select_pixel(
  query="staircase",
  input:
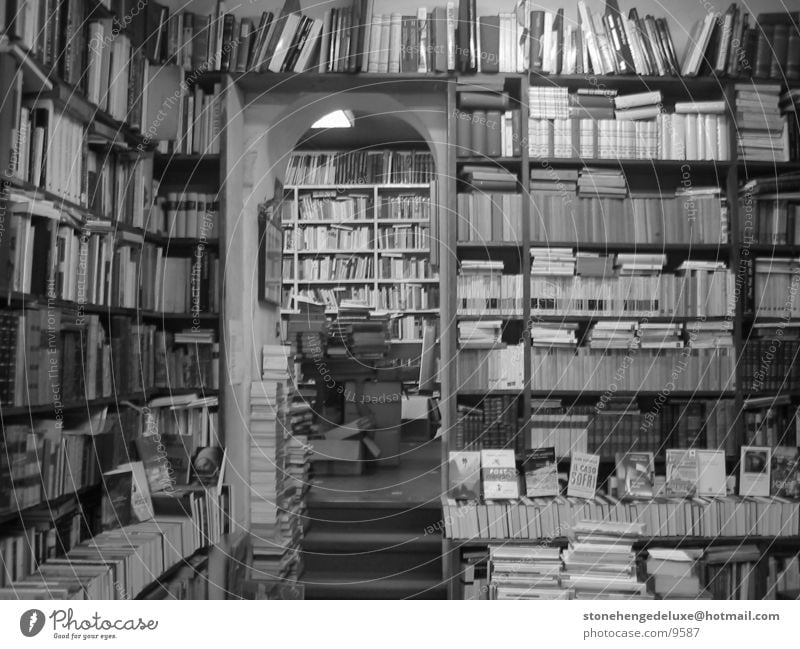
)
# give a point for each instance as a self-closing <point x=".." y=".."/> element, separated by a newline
<point x="373" y="550"/>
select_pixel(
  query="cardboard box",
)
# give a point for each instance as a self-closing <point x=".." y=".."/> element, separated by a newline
<point x="337" y="456"/>
<point x="388" y="440"/>
<point x="380" y="400"/>
<point x="416" y="423"/>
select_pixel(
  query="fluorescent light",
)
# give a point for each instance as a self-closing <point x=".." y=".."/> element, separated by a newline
<point x="336" y="119"/>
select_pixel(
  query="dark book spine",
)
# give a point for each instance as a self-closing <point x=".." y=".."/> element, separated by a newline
<point x="780" y="44"/>
<point x="763" y="59"/>
<point x="228" y="23"/>
<point x="537" y="31"/>
<point x="792" y="69"/>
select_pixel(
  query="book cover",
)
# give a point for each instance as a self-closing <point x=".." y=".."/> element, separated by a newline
<point x="754" y="470"/>
<point x="636" y="474"/>
<point x="464" y="471"/>
<point x="583" y="472"/>
<point x="141" y="501"/>
<point x="541" y="472"/>
<point x="682" y="472"/>
<point x="206" y="464"/>
<point x="499" y="473"/>
<point x="116" y="508"/>
<point x="785" y="472"/>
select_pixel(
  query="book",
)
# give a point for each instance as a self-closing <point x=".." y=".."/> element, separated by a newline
<point x="499" y="475"/>
<point x="541" y="473"/>
<point x="785" y="472"/>
<point x="682" y="472"/>
<point x="636" y="474"/>
<point x="583" y="472"/>
<point x="754" y="470"/>
<point x="464" y="475"/>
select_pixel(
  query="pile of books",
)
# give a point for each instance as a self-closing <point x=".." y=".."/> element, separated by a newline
<point x="525" y="572"/>
<point x="554" y="334"/>
<point x="601" y="563"/>
<point x="601" y="182"/>
<point x="613" y="334"/>
<point x="479" y="333"/>
<point x="639" y="263"/>
<point x="641" y="105"/>
<point x="491" y="179"/>
<point x="305" y="329"/>
<point x="657" y="335"/>
<point x="761" y="128"/>
<point x="357" y="333"/>
<point x="674" y="573"/>
<point x="552" y="261"/>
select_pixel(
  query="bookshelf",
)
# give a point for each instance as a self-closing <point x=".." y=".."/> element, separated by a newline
<point x="109" y="319"/>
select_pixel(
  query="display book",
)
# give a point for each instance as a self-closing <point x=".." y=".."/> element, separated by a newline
<point x="452" y="37"/>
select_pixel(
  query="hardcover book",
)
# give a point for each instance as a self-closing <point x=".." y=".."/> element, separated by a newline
<point x="785" y="472"/>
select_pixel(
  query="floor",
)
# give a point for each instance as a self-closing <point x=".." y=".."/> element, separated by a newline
<point x="415" y="482"/>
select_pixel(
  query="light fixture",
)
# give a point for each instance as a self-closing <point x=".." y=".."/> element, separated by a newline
<point x="336" y="119"/>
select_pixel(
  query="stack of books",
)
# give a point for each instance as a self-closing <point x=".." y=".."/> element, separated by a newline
<point x="479" y="333"/>
<point x="601" y="182"/>
<point x="638" y="263"/>
<point x="357" y="333"/>
<point x="600" y="562"/>
<point x="641" y="105"/>
<point x="490" y="179"/>
<point x="525" y="572"/>
<point x="674" y="574"/>
<point x="656" y="335"/>
<point x="554" y="334"/>
<point x="761" y="129"/>
<point x="613" y="334"/>
<point x="553" y="261"/>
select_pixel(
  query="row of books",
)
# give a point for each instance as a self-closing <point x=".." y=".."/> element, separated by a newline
<point x="98" y="265"/>
<point x="548" y="518"/>
<point x="330" y="237"/>
<point x="323" y="205"/>
<point x="668" y="136"/>
<point x="492" y="423"/>
<point x="408" y="328"/>
<point x="483" y="292"/>
<point x="330" y="269"/>
<point x="682" y="294"/>
<point x="405" y="267"/>
<point x="771" y="219"/>
<point x="699" y="215"/>
<point x="768" y="362"/>
<point x="49" y="359"/>
<point x="191" y="215"/>
<point x="762" y="127"/>
<point x="194" y="125"/>
<point x="489" y="217"/>
<point x="774" y="422"/>
<point x="774" y="287"/>
<point x="49" y="150"/>
<point x="360" y="167"/>
<point x="495" y="369"/>
<point x="120" y="186"/>
<point x="488" y="133"/>
<point x="404" y="297"/>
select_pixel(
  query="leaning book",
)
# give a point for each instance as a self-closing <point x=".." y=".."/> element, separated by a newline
<point x="636" y="474"/>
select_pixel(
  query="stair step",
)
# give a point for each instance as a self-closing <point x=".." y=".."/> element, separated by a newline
<point x="334" y="586"/>
<point x="336" y="541"/>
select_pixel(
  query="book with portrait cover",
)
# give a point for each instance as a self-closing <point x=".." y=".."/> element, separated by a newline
<point x="541" y="472"/>
<point x="785" y="471"/>
<point x="636" y="474"/>
<point x="464" y="475"/>
<point x="754" y="470"/>
<point x="499" y="473"/>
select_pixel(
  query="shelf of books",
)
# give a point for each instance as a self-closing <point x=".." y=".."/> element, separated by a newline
<point x="358" y="232"/>
<point x="112" y="460"/>
<point x="622" y="270"/>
